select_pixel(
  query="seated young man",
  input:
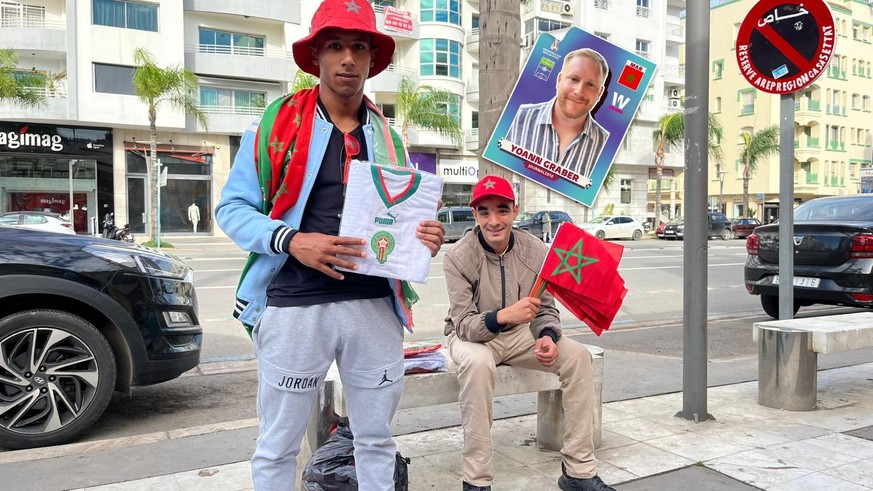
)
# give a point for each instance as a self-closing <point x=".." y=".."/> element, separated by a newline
<point x="492" y="320"/>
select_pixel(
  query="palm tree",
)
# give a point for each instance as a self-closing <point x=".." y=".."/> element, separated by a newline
<point x="303" y="80"/>
<point x="22" y="90"/>
<point x="757" y="146"/>
<point x="177" y="87"/>
<point x="671" y="134"/>
<point x="425" y="107"/>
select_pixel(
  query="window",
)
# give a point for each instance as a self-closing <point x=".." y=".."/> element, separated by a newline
<point x="230" y="101"/>
<point x="643" y="8"/>
<point x="130" y="15"/>
<point x="453" y="109"/>
<point x="747" y="101"/>
<point x="717" y="105"/>
<point x="230" y="43"/>
<point x="642" y="48"/>
<point x="462" y="215"/>
<point x="474" y="120"/>
<point x="113" y="79"/>
<point x="865" y="105"/>
<point x="441" y="11"/>
<point x="533" y="28"/>
<point x="626" y="191"/>
<point x="440" y="57"/>
<point x="602" y="35"/>
<point x="475" y="21"/>
<point x="856" y="101"/>
<point x="601" y="4"/>
<point x="717" y="69"/>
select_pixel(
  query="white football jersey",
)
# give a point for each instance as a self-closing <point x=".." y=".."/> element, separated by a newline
<point x="384" y="206"/>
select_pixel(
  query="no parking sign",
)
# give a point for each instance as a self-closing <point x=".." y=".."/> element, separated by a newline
<point x="784" y="45"/>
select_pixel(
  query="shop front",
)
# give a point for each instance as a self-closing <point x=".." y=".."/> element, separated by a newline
<point x="57" y="169"/>
<point x="459" y="177"/>
<point x="185" y="200"/>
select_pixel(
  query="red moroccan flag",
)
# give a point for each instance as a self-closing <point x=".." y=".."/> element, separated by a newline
<point x="581" y="271"/>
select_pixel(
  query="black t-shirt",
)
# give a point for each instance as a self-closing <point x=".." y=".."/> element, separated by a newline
<point x="297" y="285"/>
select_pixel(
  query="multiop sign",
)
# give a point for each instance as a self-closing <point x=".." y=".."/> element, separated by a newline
<point x="784" y="45"/>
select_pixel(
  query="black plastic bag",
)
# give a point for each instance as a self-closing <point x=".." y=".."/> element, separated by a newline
<point x="332" y="466"/>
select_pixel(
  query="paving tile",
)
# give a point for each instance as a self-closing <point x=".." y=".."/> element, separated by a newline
<point x="642" y="429"/>
<point x="748" y="436"/>
<point x="860" y="473"/>
<point x="865" y="433"/>
<point x="817" y="481"/>
<point x="758" y="469"/>
<point x="695" y="446"/>
<point x="226" y="477"/>
<point x="648" y="406"/>
<point x="609" y="439"/>
<point x="695" y="477"/>
<point x="807" y="456"/>
<point x="792" y="431"/>
<point x="611" y="413"/>
<point x="429" y="442"/>
<point x="642" y="459"/>
<point x="850" y="445"/>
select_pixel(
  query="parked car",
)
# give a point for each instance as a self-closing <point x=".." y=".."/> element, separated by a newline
<point x="37" y="220"/>
<point x="718" y="226"/>
<point x="742" y="227"/>
<point x="80" y="317"/>
<point x="533" y="221"/>
<point x="615" y="227"/>
<point x="458" y="220"/>
<point x="833" y="255"/>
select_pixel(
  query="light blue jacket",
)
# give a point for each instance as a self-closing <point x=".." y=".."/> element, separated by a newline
<point x="239" y="215"/>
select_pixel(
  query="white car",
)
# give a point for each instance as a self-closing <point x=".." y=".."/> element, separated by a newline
<point x="37" y="220"/>
<point x="615" y="227"/>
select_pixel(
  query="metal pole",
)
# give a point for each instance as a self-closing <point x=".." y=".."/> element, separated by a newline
<point x="72" y="222"/>
<point x="694" y="354"/>
<point x="158" y="218"/>
<point x="786" y="206"/>
<point x="721" y="192"/>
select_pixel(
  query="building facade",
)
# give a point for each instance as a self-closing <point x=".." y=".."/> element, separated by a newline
<point x="90" y="139"/>
<point x="832" y="123"/>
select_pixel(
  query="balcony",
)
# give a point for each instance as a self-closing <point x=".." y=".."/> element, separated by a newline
<point x="806" y="147"/>
<point x="673" y="74"/>
<point x="55" y="107"/>
<point x="33" y="34"/>
<point x="389" y="80"/>
<point x="397" y="23"/>
<point x="224" y="119"/>
<point x="272" y="10"/>
<point x="471" y="41"/>
<point x="473" y="91"/>
<point x="239" y="62"/>
<point x="805" y="181"/>
<point x="430" y="139"/>
<point x="675" y="34"/>
<point x="472" y="140"/>
<point x="643" y="12"/>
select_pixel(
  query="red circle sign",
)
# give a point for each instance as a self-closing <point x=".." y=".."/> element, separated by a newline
<point x="784" y="45"/>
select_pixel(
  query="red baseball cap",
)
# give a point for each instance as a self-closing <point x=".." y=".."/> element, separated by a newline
<point x="348" y="15"/>
<point x="492" y="186"/>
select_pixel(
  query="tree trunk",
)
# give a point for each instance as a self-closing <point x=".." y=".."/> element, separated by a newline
<point x="659" y="172"/>
<point x="747" y="174"/>
<point x="499" y="34"/>
<point x="153" y="175"/>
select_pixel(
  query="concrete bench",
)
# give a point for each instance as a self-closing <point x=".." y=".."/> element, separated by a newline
<point x="429" y="389"/>
<point x="788" y="355"/>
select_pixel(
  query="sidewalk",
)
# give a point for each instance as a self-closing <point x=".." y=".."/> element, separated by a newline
<point x="645" y="447"/>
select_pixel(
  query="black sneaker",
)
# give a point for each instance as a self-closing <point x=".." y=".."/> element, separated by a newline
<point x="567" y="483"/>
<point x="470" y="487"/>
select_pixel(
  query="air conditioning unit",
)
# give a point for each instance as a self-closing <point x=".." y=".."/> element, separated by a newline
<point x="568" y="9"/>
<point x="674" y="104"/>
<point x="674" y="93"/>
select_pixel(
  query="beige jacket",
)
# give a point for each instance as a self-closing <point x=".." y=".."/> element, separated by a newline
<point x="477" y="287"/>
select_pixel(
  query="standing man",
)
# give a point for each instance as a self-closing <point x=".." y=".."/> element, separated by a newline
<point x="547" y="227"/>
<point x="194" y="215"/>
<point x="562" y="129"/>
<point x="492" y="321"/>
<point x="282" y="202"/>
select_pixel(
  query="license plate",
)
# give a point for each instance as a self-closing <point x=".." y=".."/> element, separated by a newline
<point x="803" y="281"/>
<point x="669" y="232"/>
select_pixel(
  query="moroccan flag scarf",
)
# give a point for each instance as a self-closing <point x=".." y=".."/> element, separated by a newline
<point x="285" y="121"/>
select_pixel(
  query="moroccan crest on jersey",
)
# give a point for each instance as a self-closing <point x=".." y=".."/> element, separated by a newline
<point x="382" y="187"/>
<point x="382" y="244"/>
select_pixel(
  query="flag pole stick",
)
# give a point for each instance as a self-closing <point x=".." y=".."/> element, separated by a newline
<point x="538" y="288"/>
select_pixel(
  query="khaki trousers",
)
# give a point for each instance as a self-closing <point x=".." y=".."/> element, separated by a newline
<point x="477" y="372"/>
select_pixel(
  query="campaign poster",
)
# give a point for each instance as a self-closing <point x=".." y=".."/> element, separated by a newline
<point x="559" y="129"/>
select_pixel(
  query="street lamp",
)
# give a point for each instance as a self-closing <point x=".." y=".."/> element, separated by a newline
<point x="72" y="162"/>
<point x="721" y="174"/>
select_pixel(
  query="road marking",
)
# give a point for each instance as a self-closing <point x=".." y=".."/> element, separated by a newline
<point x="217" y="270"/>
<point x="677" y="266"/>
<point x="242" y="258"/>
<point x="213" y="287"/>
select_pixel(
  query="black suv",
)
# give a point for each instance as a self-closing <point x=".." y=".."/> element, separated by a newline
<point x="533" y="221"/>
<point x="80" y="317"/>
<point x="717" y="226"/>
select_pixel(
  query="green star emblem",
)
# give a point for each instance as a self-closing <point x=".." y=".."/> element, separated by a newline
<point x="276" y="145"/>
<point x="575" y="270"/>
<point x="292" y="102"/>
<point x="630" y="77"/>
<point x="297" y="120"/>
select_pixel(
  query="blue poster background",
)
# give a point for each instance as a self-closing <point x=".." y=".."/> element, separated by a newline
<point x="537" y="83"/>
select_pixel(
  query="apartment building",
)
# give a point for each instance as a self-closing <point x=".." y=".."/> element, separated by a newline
<point x="832" y="123"/>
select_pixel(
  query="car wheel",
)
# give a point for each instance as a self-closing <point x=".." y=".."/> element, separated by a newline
<point x="638" y="234"/>
<point x="57" y="374"/>
<point x="726" y="234"/>
<point x="600" y="234"/>
<point x="770" y="303"/>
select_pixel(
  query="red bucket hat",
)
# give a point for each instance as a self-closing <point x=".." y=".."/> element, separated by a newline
<point x="348" y="15"/>
<point x="492" y="186"/>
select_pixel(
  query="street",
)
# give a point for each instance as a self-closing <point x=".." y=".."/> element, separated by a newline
<point x="215" y="402"/>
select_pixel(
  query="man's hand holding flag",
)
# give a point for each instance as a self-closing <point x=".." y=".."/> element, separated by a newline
<point x="581" y="271"/>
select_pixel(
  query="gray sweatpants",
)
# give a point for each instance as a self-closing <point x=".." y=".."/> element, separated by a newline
<point x="295" y="347"/>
